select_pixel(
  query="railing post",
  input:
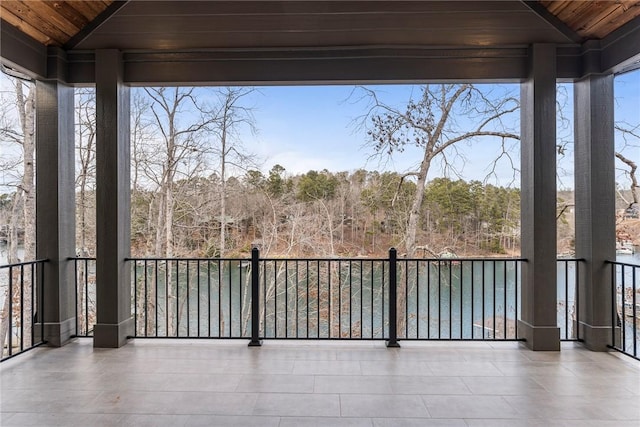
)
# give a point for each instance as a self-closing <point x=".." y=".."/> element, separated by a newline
<point x="393" y="299"/>
<point x="255" y="299"/>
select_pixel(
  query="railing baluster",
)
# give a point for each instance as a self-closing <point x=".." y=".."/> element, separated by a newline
<point x="146" y="298"/>
<point x="21" y="308"/>
<point x="393" y="300"/>
<point x="255" y="298"/>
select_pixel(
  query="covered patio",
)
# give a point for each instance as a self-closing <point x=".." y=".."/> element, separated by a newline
<point x="111" y="379"/>
<point x="226" y="383"/>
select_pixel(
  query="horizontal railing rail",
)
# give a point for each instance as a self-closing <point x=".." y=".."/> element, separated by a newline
<point x="328" y="298"/>
<point x="20" y="328"/>
<point x="625" y="303"/>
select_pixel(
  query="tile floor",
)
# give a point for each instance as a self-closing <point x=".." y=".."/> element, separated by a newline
<point x="226" y="383"/>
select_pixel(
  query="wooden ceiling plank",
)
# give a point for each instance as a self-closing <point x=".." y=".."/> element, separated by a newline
<point x="596" y="20"/>
<point x="62" y="8"/>
<point x="612" y="23"/>
<point x="582" y="12"/>
<point x="46" y="13"/>
<point x="95" y="6"/>
<point x="86" y="9"/>
<point x="570" y="9"/>
<point x="24" y="11"/>
<point x="25" y="27"/>
<point x="555" y="7"/>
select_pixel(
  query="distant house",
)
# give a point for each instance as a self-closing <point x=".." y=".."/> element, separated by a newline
<point x="632" y="212"/>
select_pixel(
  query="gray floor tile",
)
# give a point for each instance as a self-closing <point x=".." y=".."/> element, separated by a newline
<point x="417" y="422"/>
<point x="276" y="383"/>
<point x="293" y="405"/>
<point x="427" y="385"/>
<point x="465" y="407"/>
<point x="323" y="367"/>
<point x="390" y="367"/>
<point x="63" y="420"/>
<point x="464" y="369"/>
<point x="186" y="403"/>
<point x="558" y="407"/>
<point x="382" y="406"/>
<point x="529" y="368"/>
<point x="515" y="423"/>
<point x="324" y="422"/>
<point x="352" y="384"/>
<point x="152" y="420"/>
<point x="500" y="386"/>
<point x="231" y="421"/>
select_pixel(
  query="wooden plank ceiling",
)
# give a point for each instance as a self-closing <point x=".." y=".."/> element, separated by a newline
<point x="594" y="19"/>
<point x="54" y="23"/>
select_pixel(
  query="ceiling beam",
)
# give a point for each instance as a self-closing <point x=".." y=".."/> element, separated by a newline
<point x="621" y="48"/>
<point x="95" y="24"/>
<point x="22" y="52"/>
<point x="553" y="20"/>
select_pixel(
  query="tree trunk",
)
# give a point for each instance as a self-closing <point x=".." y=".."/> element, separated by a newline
<point x="223" y="189"/>
<point x="414" y="215"/>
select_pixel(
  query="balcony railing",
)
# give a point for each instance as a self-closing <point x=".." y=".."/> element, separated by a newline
<point x="568" y="272"/>
<point x="20" y="328"/>
<point x="436" y="299"/>
<point x="461" y="299"/>
<point x="625" y="300"/>
<point x="85" y="279"/>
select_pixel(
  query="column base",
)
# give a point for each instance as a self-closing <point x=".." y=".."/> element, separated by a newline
<point x="106" y="335"/>
<point x="598" y="338"/>
<point x="56" y="334"/>
<point x="539" y="338"/>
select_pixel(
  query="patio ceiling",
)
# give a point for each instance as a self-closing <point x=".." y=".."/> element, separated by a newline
<point x="428" y="36"/>
<point x="99" y="24"/>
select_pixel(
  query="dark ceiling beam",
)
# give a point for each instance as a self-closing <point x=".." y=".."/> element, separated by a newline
<point x="553" y="20"/>
<point x="620" y="50"/>
<point x="323" y="66"/>
<point x="95" y="24"/>
<point x="21" y="52"/>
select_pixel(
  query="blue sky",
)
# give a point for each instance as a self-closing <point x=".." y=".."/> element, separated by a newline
<point x="316" y="127"/>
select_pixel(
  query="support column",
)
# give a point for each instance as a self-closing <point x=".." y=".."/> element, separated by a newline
<point x="538" y="322"/>
<point x="55" y="208"/>
<point x="113" y="297"/>
<point x="595" y="206"/>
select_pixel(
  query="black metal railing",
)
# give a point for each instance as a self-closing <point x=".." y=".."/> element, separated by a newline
<point x="459" y="299"/>
<point x="568" y="298"/>
<point x="323" y="298"/>
<point x="85" y="280"/>
<point x="20" y="328"/>
<point x="319" y="298"/>
<point x="625" y="313"/>
<point x="191" y="297"/>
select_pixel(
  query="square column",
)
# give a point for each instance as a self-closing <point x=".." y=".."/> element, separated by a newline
<point x="55" y="208"/>
<point x="113" y="276"/>
<point x="538" y="321"/>
<point x="595" y="206"/>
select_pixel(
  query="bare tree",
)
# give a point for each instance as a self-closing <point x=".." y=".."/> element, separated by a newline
<point x="85" y="169"/>
<point x="23" y="202"/>
<point x="630" y="140"/>
<point x="433" y="124"/>
<point x="229" y="119"/>
<point x="180" y="152"/>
